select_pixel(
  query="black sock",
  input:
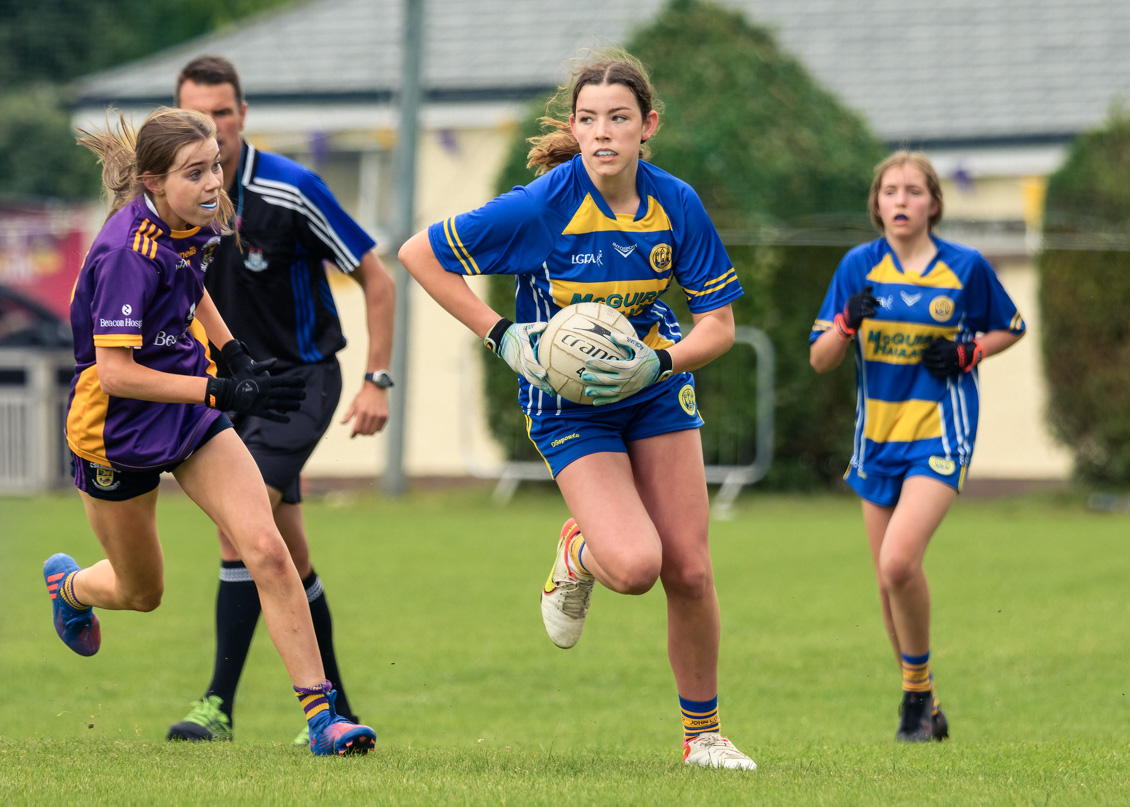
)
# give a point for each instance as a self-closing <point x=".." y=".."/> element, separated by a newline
<point x="237" y="613"/>
<point x="324" y="630"/>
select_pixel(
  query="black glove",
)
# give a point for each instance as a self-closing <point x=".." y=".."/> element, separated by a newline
<point x="239" y="362"/>
<point x="859" y="307"/>
<point x="252" y="390"/>
<point x="944" y="358"/>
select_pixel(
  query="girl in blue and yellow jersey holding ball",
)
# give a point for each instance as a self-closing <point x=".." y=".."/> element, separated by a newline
<point x="920" y="314"/>
<point x="601" y="224"/>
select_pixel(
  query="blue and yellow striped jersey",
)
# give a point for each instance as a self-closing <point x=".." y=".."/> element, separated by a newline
<point x="564" y="243"/>
<point x="902" y="411"/>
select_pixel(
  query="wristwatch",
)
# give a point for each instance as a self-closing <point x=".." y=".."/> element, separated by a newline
<point x="381" y="378"/>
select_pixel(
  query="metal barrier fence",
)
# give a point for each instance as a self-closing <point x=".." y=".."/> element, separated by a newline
<point x="34" y="385"/>
<point x="731" y="478"/>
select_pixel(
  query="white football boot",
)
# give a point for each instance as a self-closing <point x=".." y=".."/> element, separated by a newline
<point x="715" y="751"/>
<point x="565" y="598"/>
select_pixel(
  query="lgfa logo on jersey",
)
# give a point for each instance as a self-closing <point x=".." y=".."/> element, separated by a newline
<point x="588" y="257"/>
<point x="255" y="262"/>
<point x="660" y="258"/>
<point x="941" y="308"/>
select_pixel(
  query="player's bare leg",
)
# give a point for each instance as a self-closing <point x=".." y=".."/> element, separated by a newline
<point x="222" y="478"/>
<point x="898" y="553"/>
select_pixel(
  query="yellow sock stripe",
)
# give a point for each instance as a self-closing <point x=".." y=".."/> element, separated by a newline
<point x="916" y="677"/>
<point x="67" y="592"/>
<point x="696" y="723"/>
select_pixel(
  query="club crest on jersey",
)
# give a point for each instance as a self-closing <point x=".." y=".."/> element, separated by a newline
<point x="687" y="400"/>
<point x="660" y="258"/>
<point x="255" y="262"/>
<point x="624" y="251"/>
<point x="104" y="477"/>
<point x="208" y="253"/>
<point x="941" y="308"/>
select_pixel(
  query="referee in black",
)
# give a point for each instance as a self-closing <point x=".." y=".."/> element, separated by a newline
<point x="273" y="292"/>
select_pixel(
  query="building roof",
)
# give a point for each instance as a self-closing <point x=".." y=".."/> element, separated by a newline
<point x="941" y="72"/>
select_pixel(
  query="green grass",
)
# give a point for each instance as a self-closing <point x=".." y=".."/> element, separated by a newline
<point x="442" y="648"/>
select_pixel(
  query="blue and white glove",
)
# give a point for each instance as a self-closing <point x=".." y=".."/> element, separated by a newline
<point x="514" y="344"/>
<point x="611" y="380"/>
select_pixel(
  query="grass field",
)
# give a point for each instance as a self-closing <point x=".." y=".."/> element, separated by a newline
<point x="442" y="649"/>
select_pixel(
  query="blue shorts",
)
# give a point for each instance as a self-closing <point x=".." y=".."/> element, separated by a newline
<point x="564" y="437"/>
<point x="113" y="485"/>
<point x="884" y="489"/>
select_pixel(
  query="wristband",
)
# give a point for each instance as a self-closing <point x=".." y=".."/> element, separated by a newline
<point x="842" y="330"/>
<point x="665" y="364"/>
<point x="494" y="337"/>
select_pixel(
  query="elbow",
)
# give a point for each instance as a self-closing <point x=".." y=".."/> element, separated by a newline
<point x="407" y="254"/>
<point x="111" y="381"/>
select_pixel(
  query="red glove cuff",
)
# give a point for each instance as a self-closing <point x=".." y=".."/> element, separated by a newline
<point x="845" y="333"/>
<point x="970" y="354"/>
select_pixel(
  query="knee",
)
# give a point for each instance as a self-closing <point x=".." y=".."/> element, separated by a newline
<point x="637" y="577"/>
<point x="896" y="571"/>
<point x="689" y="581"/>
<point x="265" y="554"/>
<point x="147" y="599"/>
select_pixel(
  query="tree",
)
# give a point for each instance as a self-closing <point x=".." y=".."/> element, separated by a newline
<point x="48" y="43"/>
<point x="784" y="170"/>
<point x="1084" y="284"/>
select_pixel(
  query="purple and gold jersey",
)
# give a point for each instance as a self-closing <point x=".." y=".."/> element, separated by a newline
<point x="903" y="413"/>
<point x="138" y="288"/>
<point x="566" y="246"/>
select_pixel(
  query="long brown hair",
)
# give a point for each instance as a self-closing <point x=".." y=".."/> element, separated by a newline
<point x="128" y="155"/>
<point x="915" y="159"/>
<point x="557" y="145"/>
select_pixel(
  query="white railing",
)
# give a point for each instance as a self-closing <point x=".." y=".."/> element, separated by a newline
<point x="34" y="385"/>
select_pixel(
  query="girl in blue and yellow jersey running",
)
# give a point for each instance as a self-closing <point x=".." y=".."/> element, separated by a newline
<point x="601" y="224"/>
<point x="145" y="400"/>
<point x="920" y="314"/>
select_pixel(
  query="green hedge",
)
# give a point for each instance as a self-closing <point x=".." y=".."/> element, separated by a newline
<point x="783" y="169"/>
<point x="1084" y="288"/>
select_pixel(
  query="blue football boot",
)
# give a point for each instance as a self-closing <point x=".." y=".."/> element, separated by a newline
<point x="78" y="628"/>
<point x="331" y="734"/>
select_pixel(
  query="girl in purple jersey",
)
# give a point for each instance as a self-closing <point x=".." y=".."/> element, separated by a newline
<point x="138" y="307"/>
<point x="935" y="297"/>
<point x="632" y="475"/>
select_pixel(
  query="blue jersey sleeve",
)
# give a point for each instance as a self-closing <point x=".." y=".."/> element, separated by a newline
<point x="702" y="267"/>
<point x="995" y="309"/>
<point x="327" y="230"/>
<point x="508" y="235"/>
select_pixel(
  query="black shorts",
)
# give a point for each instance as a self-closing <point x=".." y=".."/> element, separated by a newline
<point x="282" y="449"/>
<point x="113" y="485"/>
